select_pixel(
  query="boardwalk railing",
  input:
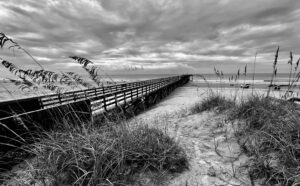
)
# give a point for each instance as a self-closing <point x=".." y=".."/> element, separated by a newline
<point x="89" y="101"/>
<point x="20" y="117"/>
<point x="23" y="120"/>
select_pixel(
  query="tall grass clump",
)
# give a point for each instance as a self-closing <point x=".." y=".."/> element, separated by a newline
<point x="111" y="155"/>
<point x="92" y="70"/>
<point x="256" y="110"/>
<point x="214" y="101"/>
<point x="14" y="45"/>
<point x="293" y="79"/>
<point x="274" y="71"/>
<point x="269" y="133"/>
<point x="294" y="75"/>
<point x="31" y="80"/>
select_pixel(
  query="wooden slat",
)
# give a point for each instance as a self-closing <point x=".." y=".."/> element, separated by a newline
<point x="102" y="96"/>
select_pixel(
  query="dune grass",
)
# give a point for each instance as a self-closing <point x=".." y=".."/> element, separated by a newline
<point x="107" y="155"/>
<point x="214" y="101"/>
<point x="105" y="151"/>
<point x="268" y="131"/>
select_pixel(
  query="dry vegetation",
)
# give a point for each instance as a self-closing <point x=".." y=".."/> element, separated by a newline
<point x="105" y="155"/>
<point x="268" y="129"/>
<point x="213" y="102"/>
<point x="31" y="80"/>
<point x="96" y="153"/>
<point x="269" y="133"/>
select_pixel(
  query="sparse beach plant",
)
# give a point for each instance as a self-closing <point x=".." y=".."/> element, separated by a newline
<point x="293" y="79"/>
<point x="273" y="73"/>
<point x="78" y="78"/>
<point x="245" y="71"/>
<point x="237" y="77"/>
<point x="35" y="79"/>
<point x="217" y="73"/>
<point x="92" y="71"/>
<point x="4" y="39"/>
<point x="297" y="65"/>
<point x="32" y="80"/>
<point x="254" y="68"/>
<point x="220" y="77"/>
<point x="245" y="75"/>
<point x="290" y="62"/>
<point x="83" y="61"/>
<point x="236" y="84"/>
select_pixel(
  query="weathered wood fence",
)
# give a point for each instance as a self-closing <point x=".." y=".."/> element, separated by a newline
<point x="77" y="106"/>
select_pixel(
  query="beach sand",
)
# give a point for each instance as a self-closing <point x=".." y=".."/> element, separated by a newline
<point x="214" y="154"/>
<point x="208" y="139"/>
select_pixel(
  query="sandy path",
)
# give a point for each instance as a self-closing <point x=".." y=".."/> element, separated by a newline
<point x="214" y="155"/>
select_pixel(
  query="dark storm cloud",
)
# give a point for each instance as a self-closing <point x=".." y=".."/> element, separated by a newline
<point x="180" y="34"/>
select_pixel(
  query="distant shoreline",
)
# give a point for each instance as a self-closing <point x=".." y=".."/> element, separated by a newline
<point x="237" y="85"/>
<point x="212" y="81"/>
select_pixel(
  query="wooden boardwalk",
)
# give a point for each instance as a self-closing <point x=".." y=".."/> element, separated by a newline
<point x="102" y="98"/>
<point x="83" y="105"/>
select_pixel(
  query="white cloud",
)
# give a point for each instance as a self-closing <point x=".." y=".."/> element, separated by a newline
<point x="154" y="33"/>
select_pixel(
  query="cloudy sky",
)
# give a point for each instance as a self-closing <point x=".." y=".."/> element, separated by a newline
<point x="162" y="36"/>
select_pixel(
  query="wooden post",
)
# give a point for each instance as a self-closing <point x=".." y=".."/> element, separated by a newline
<point x="116" y="100"/>
<point x="74" y="96"/>
<point x="85" y="94"/>
<point x="104" y="104"/>
<point x="124" y="96"/>
<point x="59" y="98"/>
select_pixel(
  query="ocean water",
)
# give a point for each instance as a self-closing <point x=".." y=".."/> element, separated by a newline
<point x="138" y="77"/>
<point x="10" y="91"/>
<point x="249" y="76"/>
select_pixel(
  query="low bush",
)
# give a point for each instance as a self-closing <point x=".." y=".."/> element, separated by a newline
<point x="270" y="134"/>
<point x="106" y="155"/>
<point x="213" y="101"/>
<point x="258" y="110"/>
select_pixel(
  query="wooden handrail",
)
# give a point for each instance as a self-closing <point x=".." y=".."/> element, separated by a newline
<point x="79" y="107"/>
<point x="105" y="97"/>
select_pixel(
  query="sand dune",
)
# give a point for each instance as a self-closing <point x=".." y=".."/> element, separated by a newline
<point x="214" y="154"/>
